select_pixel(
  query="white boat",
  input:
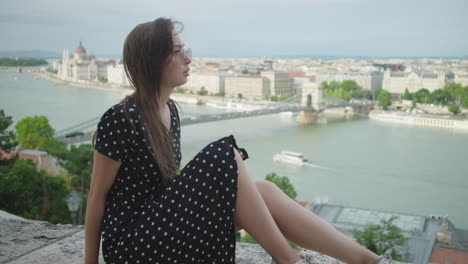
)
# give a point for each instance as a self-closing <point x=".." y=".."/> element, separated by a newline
<point x="290" y="157"/>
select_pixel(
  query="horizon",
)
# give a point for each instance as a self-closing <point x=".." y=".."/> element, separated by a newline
<point x="35" y="53"/>
<point x="335" y="28"/>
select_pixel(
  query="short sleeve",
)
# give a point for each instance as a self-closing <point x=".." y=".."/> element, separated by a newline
<point x="111" y="139"/>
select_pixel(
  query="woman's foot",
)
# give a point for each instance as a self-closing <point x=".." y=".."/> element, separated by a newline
<point x="306" y="258"/>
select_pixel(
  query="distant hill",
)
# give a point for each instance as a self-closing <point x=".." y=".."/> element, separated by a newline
<point x="31" y="54"/>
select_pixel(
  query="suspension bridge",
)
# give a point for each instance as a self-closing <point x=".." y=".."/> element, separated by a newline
<point x="310" y="104"/>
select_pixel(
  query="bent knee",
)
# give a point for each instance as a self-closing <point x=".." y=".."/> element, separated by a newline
<point x="265" y="186"/>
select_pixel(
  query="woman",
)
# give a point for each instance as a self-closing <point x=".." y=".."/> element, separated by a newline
<point x="148" y="213"/>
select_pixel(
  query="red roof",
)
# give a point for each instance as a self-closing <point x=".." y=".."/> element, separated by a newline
<point x="5" y="155"/>
<point x="443" y="255"/>
<point x="294" y="74"/>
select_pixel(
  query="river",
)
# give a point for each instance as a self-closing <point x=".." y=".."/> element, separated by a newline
<point x="359" y="162"/>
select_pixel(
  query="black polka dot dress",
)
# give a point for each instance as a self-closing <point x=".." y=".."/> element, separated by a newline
<point x="189" y="221"/>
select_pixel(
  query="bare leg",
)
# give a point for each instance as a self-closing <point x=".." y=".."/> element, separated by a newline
<point x="308" y="230"/>
<point x="253" y="215"/>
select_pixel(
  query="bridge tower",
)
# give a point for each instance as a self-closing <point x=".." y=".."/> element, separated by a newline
<point x="312" y="99"/>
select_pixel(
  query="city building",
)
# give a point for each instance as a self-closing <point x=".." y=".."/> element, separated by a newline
<point x="213" y="82"/>
<point x="462" y="79"/>
<point x="81" y="67"/>
<point x="250" y="87"/>
<point x="41" y="159"/>
<point x="430" y="239"/>
<point x="280" y="83"/>
<point x="116" y="75"/>
<point x="397" y="81"/>
<point x="366" y="80"/>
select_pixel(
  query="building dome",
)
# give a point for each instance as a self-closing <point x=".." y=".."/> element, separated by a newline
<point x="80" y="50"/>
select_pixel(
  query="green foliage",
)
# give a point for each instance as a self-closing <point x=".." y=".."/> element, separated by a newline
<point x="377" y="93"/>
<point x="247" y="238"/>
<point x="180" y="90"/>
<point x="422" y="96"/>
<point x="79" y="162"/>
<point x="22" y="62"/>
<point x="240" y="96"/>
<point x="385" y="99"/>
<point x="103" y="79"/>
<point x="458" y="93"/>
<point x="49" y="69"/>
<point x="345" y="90"/>
<point x="56" y="148"/>
<point x="380" y="238"/>
<point x="451" y="94"/>
<point x="276" y="98"/>
<point x="407" y="95"/>
<point x="455" y="109"/>
<point x="34" y="132"/>
<point x="202" y="91"/>
<point x="33" y="194"/>
<point x="7" y="138"/>
<point x="283" y="183"/>
<point x="440" y="97"/>
<point x="220" y="94"/>
<point x="57" y="193"/>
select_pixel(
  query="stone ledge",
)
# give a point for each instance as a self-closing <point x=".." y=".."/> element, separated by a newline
<point x="28" y="241"/>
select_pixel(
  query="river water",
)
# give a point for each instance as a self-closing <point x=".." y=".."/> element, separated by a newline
<point x="359" y="162"/>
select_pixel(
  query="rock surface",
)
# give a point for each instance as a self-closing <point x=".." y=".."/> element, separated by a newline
<point x="28" y="241"/>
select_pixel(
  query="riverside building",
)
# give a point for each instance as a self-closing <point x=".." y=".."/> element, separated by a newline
<point x="80" y="67"/>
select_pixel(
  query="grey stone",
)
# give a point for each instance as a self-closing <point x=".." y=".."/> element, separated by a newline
<point x="27" y="241"/>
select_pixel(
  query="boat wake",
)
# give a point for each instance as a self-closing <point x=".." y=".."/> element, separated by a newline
<point x="317" y="166"/>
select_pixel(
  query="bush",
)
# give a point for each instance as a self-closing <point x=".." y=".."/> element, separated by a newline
<point x="380" y="238"/>
<point x="455" y="109"/>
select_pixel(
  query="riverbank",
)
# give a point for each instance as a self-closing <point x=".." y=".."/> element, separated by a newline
<point x="85" y="84"/>
<point x="213" y="101"/>
<point x="419" y="120"/>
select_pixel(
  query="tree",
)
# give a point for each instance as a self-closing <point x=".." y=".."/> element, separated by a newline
<point x="455" y="109"/>
<point x="422" y="96"/>
<point x="456" y="91"/>
<point x="440" y="97"/>
<point x="346" y="90"/>
<point x="22" y="61"/>
<point x="103" y="79"/>
<point x="33" y="194"/>
<point x="283" y="183"/>
<point x="380" y="238"/>
<point x="202" y="91"/>
<point x="180" y="90"/>
<point x="56" y="148"/>
<point x="407" y="95"/>
<point x="34" y="132"/>
<point x="78" y="161"/>
<point x="51" y="70"/>
<point x="7" y="139"/>
<point x="385" y="99"/>
<point x="240" y="96"/>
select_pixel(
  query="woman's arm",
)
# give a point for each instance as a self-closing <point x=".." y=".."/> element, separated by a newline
<point x="104" y="171"/>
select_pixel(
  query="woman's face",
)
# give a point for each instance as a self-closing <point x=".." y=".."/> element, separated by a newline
<point x="176" y="70"/>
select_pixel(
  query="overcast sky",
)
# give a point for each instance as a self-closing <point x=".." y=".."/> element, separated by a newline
<point x="246" y="28"/>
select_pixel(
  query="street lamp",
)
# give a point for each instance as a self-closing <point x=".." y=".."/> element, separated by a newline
<point x="73" y="202"/>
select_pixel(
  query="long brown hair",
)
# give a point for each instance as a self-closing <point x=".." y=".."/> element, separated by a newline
<point x="146" y="52"/>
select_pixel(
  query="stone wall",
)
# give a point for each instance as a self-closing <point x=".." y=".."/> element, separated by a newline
<point x="28" y="241"/>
